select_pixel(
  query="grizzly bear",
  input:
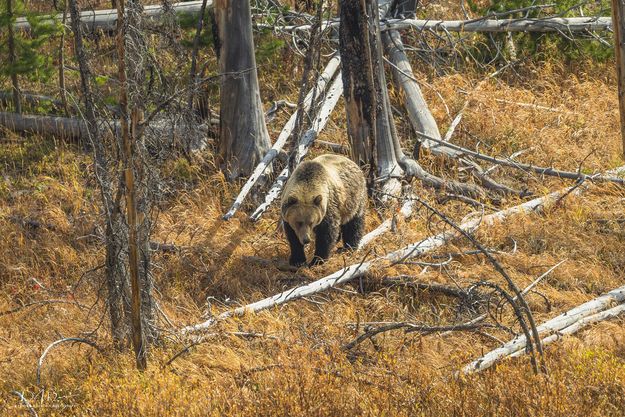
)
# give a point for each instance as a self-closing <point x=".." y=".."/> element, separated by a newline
<point x="327" y="196"/>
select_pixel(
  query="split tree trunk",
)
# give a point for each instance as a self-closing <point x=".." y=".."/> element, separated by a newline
<point x="369" y="122"/>
<point x="243" y="138"/>
<point x="128" y="146"/>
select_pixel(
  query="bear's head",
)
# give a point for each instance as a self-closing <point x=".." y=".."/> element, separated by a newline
<point x="304" y="216"/>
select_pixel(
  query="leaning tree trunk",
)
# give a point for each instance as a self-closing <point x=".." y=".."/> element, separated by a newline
<point x="115" y="230"/>
<point x="243" y="138"/>
<point x="369" y="122"/>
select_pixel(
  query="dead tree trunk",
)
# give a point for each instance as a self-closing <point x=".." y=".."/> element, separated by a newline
<point x="370" y="124"/>
<point x="128" y="146"/>
<point x="243" y="138"/>
<point x="13" y="58"/>
<point x="618" y="24"/>
<point x="143" y="165"/>
<point x="115" y="230"/>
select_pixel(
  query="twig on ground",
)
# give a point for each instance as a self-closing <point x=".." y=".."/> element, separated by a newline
<point x="26" y="403"/>
<point x="56" y="343"/>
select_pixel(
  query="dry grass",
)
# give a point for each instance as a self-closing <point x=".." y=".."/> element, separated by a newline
<point x="301" y="369"/>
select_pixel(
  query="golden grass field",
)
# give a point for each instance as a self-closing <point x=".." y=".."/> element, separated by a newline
<point x="297" y="366"/>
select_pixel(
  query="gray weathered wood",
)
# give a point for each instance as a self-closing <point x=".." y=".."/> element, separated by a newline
<point x="243" y="136"/>
<point x="488" y="25"/>
<point x="107" y="19"/>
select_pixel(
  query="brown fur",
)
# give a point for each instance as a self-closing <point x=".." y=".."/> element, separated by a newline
<point x="324" y="196"/>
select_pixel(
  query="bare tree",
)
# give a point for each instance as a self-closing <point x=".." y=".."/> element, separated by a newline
<point x="124" y="171"/>
<point x="243" y="137"/>
<point x="369" y="121"/>
<point x="115" y="229"/>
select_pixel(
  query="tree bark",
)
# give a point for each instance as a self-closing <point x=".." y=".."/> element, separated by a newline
<point x="358" y="82"/>
<point x="138" y="339"/>
<point x="243" y="134"/>
<point x="618" y="23"/>
<point x="370" y="125"/>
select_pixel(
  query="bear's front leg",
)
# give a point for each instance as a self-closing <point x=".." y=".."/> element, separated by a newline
<point x="326" y="235"/>
<point x="298" y="256"/>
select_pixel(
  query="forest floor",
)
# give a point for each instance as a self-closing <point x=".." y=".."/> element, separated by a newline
<point x="561" y="116"/>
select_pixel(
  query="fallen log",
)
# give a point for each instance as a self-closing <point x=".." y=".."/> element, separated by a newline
<point x="595" y="318"/>
<point x="322" y="81"/>
<point x="359" y="269"/>
<point x="485" y="25"/>
<point x="576" y="318"/>
<point x="76" y="129"/>
<point x="548" y="24"/>
<point x="418" y="110"/>
<point x="107" y="19"/>
<point x="332" y="98"/>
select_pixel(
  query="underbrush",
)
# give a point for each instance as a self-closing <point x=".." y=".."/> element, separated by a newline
<point x="291" y="360"/>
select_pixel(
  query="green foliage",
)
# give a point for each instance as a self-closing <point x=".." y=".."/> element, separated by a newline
<point x="188" y="24"/>
<point x="267" y="47"/>
<point x="553" y="45"/>
<point x="31" y="59"/>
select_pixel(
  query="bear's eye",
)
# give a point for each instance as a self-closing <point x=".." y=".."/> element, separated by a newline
<point x="299" y="224"/>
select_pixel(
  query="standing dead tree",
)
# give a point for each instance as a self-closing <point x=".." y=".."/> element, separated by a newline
<point x="618" y="23"/>
<point x="124" y="171"/>
<point x="370" y="124"/>
<point x="243" y="137"/>
<point x="115" y="230"/>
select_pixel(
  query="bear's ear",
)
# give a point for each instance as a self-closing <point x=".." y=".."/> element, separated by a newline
<point x="288" y="203"/>
<point x="317" y="200"/>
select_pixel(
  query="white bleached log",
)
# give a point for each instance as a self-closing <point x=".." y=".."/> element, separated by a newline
<point x="332" y="98"/>
<point x="107" y="19"/>
<point x="551" y="327"/>
<point x="554" y="24"/>
<point x="548" y="24"/>
<point x="416" y="106"/>
<point x="325" y="77"/>
<point x="580" y="324"/>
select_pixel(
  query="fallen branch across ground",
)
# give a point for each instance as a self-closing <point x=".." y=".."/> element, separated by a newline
<point x="575" y="319"/>
<point x="322" y="81"/>
<point x="56" y="343"/>
<point x="563" y="25"/>
<point x="526" y="167"/>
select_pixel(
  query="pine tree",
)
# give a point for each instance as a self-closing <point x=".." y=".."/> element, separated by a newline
<point x="21" y="53"/>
